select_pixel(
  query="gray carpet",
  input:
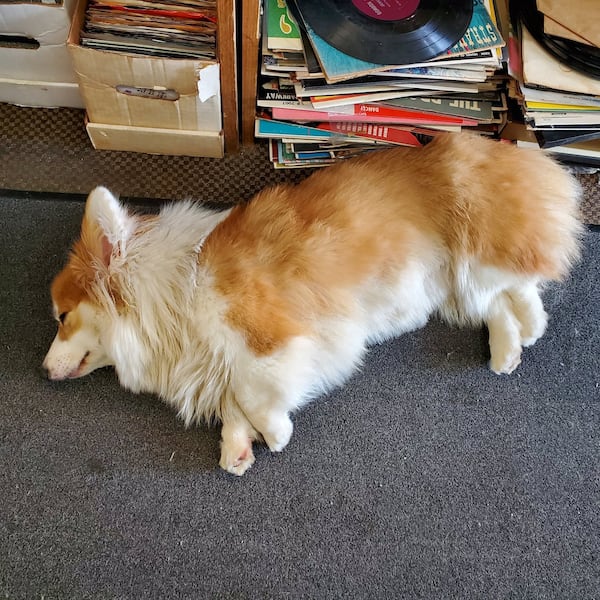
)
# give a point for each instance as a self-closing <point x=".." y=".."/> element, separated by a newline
<point x="425" y="477"/>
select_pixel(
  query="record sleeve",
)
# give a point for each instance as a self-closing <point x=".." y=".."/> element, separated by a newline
<point x="577" y="56"/>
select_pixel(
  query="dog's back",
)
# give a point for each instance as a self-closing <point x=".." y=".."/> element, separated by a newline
<point x="295" y="252"/>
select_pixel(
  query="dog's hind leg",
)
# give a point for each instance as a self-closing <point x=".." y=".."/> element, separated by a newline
<point x="504" y="335"/>
<point x="237" y="435"/>
<point x="529" y="310"/>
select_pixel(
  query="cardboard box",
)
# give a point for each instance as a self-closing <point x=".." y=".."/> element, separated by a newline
<point x="46" y="57"/>
<point x="49" y="94"/>
<point x="153" y="140"/>
<point x="144" y="91"/>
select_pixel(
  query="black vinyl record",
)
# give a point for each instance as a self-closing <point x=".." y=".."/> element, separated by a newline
<point x="581" y="57"/>
<point x="389" y="32"/>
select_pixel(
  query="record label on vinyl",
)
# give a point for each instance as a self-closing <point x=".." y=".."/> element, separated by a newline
<point x="388" y="32"/>
<point x="387" y="10"/>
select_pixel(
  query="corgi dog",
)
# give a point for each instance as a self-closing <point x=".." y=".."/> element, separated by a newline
<point x="241" y="316"/>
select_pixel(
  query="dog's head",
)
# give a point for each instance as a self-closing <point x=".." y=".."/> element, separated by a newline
<point x="82" y="316"/>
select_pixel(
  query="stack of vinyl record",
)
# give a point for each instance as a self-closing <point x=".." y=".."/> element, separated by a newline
<point x="166" y="28"/>
<point x="556" y="66"/>
<point x="340" y="78"/>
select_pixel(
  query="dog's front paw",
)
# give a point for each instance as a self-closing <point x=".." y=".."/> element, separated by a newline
<point x="504" y="363"/>
<point x="532" y="331"/>
<point x="235" y="458"/>
<point x="278" y="435"/>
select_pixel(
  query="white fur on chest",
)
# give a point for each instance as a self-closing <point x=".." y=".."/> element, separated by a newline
<point x="169" y="338"/>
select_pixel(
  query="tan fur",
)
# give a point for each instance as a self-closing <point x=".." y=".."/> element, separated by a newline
<point x="73" y="283"/>
<point x="76" y="282"/>
<point x="293" y="251"/>
<point x="67" y="292"/>
<point x="245" y="315"/>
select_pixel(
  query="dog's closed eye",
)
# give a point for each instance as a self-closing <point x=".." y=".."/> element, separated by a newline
<point x="62" y="317"/>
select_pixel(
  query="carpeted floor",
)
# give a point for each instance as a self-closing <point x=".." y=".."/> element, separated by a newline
<point x="48" y="150"/>
<point x="425" y="477"/>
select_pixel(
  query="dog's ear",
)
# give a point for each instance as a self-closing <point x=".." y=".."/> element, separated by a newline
<point x="106" y="224"/>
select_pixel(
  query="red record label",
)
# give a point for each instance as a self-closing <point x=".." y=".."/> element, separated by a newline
<point x="387" y="10"/>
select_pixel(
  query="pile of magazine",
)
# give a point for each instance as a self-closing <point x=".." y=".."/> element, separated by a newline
<point x="316" y="104"/>
<point x="165" y="28"/>
<point x="555" y="63"/>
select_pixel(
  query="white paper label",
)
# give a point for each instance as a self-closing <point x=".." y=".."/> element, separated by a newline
<point x="208" y="82"/>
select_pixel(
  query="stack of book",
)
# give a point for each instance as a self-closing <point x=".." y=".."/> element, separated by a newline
<point x="317" y="105"/>
<point x="555" y="64"/>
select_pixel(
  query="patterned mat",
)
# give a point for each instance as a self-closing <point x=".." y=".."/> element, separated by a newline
<point x="48" y="150"/>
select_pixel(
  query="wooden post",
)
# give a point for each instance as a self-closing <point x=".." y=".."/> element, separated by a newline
<point x="250" y="45"/>
<point x="226" y="52"/>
